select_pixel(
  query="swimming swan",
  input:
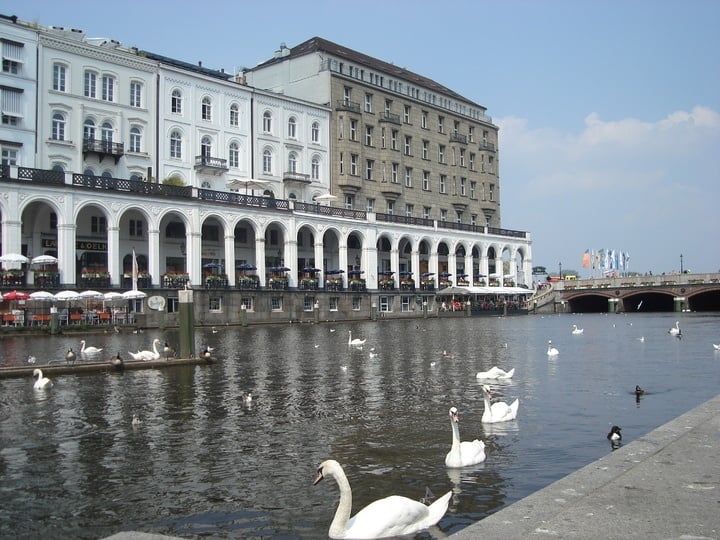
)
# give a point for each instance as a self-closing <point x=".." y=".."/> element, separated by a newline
<point x="716" y="346"/>
<point x="147" y="355"/>
<point x="495" y="373"/>
<point x="577" y="331"/>
<point x="552" y="351"/>
<point x="499" y="411"/>
<point x="675" y="331"/>
<point x="355" y="342"/>
<point x="42" y="382"/>
<point x="88" y="351"/>
<point x="465" y="453"/>
<point x="391" y="516"/>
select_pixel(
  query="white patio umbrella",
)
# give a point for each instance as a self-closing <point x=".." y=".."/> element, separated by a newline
<point x="247" y="183"/>
<point x="112" y="296"/>
<point x="43" y="295"/>
<point x="44" y="259"/>
<point x="67" y="296"/>
<point x="327" y="197"/>
<point x="14" y="260"/>
<point x="133" y="295"/>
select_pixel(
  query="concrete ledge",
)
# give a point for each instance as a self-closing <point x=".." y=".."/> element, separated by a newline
<point x="663" y="485"/>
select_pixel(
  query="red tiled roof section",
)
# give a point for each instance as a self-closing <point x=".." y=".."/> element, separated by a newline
<point x="317" y="44"/>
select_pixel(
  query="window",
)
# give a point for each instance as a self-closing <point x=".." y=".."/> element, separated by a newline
<point x="90" y="84"/>
<point x="426" y="212"/>
<point x="276" y="303"/>
<point x="408" y="140"/>
<point x="441" y="124"/>
<point x="292" y="162"/>
<point x="58" y="127"/>
<point x="369" y="169"/>
<point x="370" y="205"/>
<point x="353" y="164"/>
<point x="315" y="132"/>
<point x="472" y="161"/>
<point x="246" y="302"/>
<point x="206" y="149"/>
<point x="315" y="169"/>
<point x="10" y="66"/>
<point x="353" y="130"/>
<point x="308" y="303"/>
<point x="471" y="134"/>
<point x="341" y="128"/>
<point x="108" y="88"/>
<point x="234" y="115"/>
<point x="441" y="153"/>
<point x="215" y="303"/>
<point x="356" y="303"/>
<point x="408" y="177"/>
<point x="98" y="225"/>
<point x="406" y="303"/>
<point x="176" y="102"/>
<point x="394" y="172"/>
<point x="459" y="217"/>
<point x="267" y="122"/>
<point x="341" y="163"/>
<point x="9" y="156"/>
<point x="368" y="135"/>
<point x="206" y="109"/>
<point x="463" y="187"/>
<point x="176" y="145"/>
<point x="12" y="56"/>
<point x="382" y="137"/>
<point x="393" y="139"/>
<point x="426" y="181"/>
<point x="267" y="161"/>
<point x="368" y="103"/>
<point x="406" y="114"/>
<point x="349" y="202"/>
<point x="106" y="134"/>
<point x="473" y="219"/>
<point x="385" y="304"/>
<point x="347" y="92"/>
<point x="491" y="189"/>
<point x="423" y="119"/>
<point x="462" y="157"/>
<point x="136" y="228"/>
<point x="443" y="183"/>
<point x="472" y="189"/>
<point x="136" y="94"/>
<point x="443" y="215"/>
<point x="59" y="76"/>
<point x="409" y="208"/>
<point x="292" y="128"/>
<point x="456" y="127"/>
<point x="233" y="155"/>
<point x="425" y="149"/>
<point x="491" y="165"/>
<point x="333" y="303"/>
<point x="89" y="130"/>
<point x="135" y="139"/>
<point x="391" y="207"/>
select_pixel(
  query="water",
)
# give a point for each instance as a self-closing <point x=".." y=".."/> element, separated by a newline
<point x="203" y="464"/>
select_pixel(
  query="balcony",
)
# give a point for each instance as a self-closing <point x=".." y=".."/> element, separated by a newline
<point x="291" y="176"/>
<point x="347" y="105"/>
<point x="390" y="117"/>
<point x="391" y="190"/>
<point x="103" y="148"/>
<point x="349" y="183"/>
<point x="211" y="165"/>
<point x="456" y="137"/>
<point x="490" y="147"/>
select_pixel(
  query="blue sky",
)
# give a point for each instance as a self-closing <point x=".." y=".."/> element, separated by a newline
<point x="609" y="112"/>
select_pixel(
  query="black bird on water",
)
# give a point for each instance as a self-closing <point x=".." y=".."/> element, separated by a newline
<point x="615" y="437"/>
<point x="70" y="356"/>
<point x="118" y="363"/>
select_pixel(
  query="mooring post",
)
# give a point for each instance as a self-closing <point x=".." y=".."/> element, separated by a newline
<point x="243" y="315"/>
<point x="54" y="321"/>
<point x="187" y="323"/>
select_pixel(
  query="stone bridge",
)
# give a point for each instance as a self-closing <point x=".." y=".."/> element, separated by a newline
<point x="675" y="292"/>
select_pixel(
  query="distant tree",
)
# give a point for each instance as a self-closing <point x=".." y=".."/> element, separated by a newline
<point x="174" y="181"/>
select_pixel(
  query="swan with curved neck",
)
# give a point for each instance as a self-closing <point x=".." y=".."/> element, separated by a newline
<point x="577" y="331"/>
<point x="391" y="516"/>
<point x="42" y="382"/>
<point x="465" y="453"/>
<point x="498" y="411"/>
<point x="355" y="342"/>
<point x="88" y="351"/>
<point x="675" y="330"/>
<point x="552" y="351"/>
<point x="147" y="355"/>
<point x="495" y="373"/>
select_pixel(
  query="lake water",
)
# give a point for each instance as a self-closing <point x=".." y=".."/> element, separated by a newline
<point x="202" y="464"/>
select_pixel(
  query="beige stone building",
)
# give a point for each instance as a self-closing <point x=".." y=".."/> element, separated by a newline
<point x="401" y="144"/>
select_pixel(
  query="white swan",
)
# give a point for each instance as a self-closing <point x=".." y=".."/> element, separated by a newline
<point x="716" y="346"/>
<point x="391" y="516"/>
<point x="576" y="331"/>
<point x="355" y="342"/>
<point x="42" y="382"/>
<point x="675" y="330"/>
<point x="88" y="351"/>
<point x="147" y="355"/>
<point x="552" y="351"/>
<point x="495" y="373"/>
<point x="463" y="454"/>
<point x="499" y="411"/>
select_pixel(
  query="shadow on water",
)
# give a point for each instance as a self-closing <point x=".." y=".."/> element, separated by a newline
<point x="203" y="462"/>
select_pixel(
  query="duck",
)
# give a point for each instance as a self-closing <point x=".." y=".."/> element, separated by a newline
<point x="639" y="391"/>
<point x="577" y="331"/>
<point x="89" y="351"/>
<point x="117" y="362"/>
<point x="136" y="421"/>
<point x="41" y="382"/>
<point x="675" y="330"/>
<point x="495" y="373"/>
<point x="206" y="354"/>
<point x="465" y="453"/>
<point x="498" y="411"/>
<point x="70" y="356"/>
<point x="147" y="355"/>
<point x="392" y="516"/>
<point x="247" y="399"/>
<point x="355" y="342"/>
<point x="615" y="435"/>
<point x="552" y="351"/>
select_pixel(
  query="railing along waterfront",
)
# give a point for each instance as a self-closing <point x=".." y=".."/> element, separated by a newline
<point x="619" y="282"/>
<point x="85" y="181"/>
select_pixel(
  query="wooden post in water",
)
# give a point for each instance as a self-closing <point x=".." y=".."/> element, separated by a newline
<point x="54" y="321"/>
<point x="187" y="323"/>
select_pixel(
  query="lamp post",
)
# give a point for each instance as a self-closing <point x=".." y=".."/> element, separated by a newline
<point x="681" y="264"/>
<point x="560" y="268"/>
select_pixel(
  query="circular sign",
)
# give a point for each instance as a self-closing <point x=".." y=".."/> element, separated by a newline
<point x="156" y="302"/>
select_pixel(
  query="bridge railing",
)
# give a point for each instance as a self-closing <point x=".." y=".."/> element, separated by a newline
<point x="637" y="281"/>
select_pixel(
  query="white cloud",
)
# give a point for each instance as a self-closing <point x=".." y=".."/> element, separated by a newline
<point x="654" y="186"/>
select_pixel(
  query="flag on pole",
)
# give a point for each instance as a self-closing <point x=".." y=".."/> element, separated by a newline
<point x="134" y="272"/>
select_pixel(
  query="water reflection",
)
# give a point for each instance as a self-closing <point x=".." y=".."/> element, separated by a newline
<point x="204" y="463"/>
